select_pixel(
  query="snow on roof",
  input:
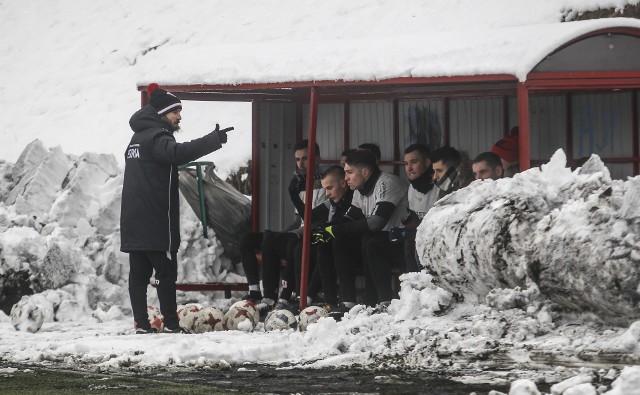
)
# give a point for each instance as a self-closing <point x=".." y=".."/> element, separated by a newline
<point x="365" y="41"/>
<point x="69" y="68"/>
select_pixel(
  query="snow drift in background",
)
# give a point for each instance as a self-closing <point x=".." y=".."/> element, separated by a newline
<point x="572" y="235"/>
<point x="59" y="236"/>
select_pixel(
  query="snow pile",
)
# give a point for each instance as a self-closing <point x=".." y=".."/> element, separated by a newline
<point x="84" y="97"/>
<point x="462" y="323"/>
<point x="59" y="237"/>
<point x="571" y="237"/>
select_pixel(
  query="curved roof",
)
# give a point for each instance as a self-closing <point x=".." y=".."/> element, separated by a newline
<point x="365" y="41"/>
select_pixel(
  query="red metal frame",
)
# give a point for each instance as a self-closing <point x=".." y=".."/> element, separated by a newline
<point x="338" y="83"/>
<point x="583" y="80"/>
<point x="569" y="128"/>
<point x="505" y="116"/>
<point x="523" y="126"/>
<point x="144" y="97"/>
<point x="255" y="166"/>
<point x="306" y="238"/>
<point x="396" y="135"/>
<point x="634" y="131"/>
<point x="446" y="122"/>
<point x="347" y="125"/>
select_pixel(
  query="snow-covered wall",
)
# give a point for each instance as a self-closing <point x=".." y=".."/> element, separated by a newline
<point x="572" y="235"/>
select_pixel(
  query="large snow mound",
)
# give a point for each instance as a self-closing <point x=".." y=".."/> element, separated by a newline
<point x="59" y="233"/>
<point x="572" y="235"/>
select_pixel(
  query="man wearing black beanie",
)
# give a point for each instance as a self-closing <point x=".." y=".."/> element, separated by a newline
<point x="150" y="209"/>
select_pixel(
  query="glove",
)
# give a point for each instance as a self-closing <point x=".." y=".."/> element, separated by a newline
<point x="411" y="221"/>
<point x="222" y="134"/>
<point x="322" y="235"/>
<point x="397" y="234"/>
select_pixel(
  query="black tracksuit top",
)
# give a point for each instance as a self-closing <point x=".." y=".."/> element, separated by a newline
<point x="150" y="210"/>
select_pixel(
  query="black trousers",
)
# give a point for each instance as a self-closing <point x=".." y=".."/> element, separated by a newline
<point x="314" y="278"/>
<point x="142" y="264"/>
<point x="376" y="257"/>
<point x="347" y="259"/>
<point x="325" y="269"/>
<point x="277" y="246"/>
<point x="250" y="243"/>
<point x="410" y="256"/>
<point x="381" y="259"/>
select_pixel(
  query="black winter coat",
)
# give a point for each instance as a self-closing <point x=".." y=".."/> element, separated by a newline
<point x="150" y="210"/>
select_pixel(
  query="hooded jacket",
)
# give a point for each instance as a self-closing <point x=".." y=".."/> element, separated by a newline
<point x="150" y="210"/>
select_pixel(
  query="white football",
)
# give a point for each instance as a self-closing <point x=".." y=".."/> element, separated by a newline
<point x="187" y="316"/>
<point x="239" y="317"/>
<point x="155" y="318"/>
<point x="310" y="315"/>
<point x="251" y="308"/>
<point x="280" y="320"/>
<point x="209" y="319"/>
<point x="26" y="316"/>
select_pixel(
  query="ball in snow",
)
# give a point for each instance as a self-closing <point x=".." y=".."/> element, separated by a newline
<point x="26" y="316"/>
<point x="280" y="320"/>
<point x="155" y="318"/>
<point x="187" y="316"/>
<point x="239" y="318"/>
<point x="251" y="309"/>
<point x="310" y="315"/>
<point x="208" y="319"/>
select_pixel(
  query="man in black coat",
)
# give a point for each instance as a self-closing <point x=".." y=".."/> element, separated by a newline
<point x="150" y="211"/>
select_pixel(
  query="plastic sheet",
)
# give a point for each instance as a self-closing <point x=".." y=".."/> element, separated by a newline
<point x="228" y="211"/>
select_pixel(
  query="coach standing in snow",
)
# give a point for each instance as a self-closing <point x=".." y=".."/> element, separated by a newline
<point x="150" y="211"/>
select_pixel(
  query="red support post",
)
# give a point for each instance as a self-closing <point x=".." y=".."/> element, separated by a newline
<point x="446" y="137"/>
<point x="635" y="140"/>
<point x="569" y="129"/>
<point x="396" y="135"/>
<point x="523" y="125"/>
<point x="311" y="164"/>
<point x="144" y="98"/>
<point x="255" y="166"/>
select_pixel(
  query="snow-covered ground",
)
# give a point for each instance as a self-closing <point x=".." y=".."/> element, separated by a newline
<point x="534" y="303"/>
<point x="59" y="231"/>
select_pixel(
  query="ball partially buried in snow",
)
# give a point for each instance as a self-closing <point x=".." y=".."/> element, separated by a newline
<point x="187" y="316"/>
<point x="280" y="320"/>
<point x="239" y="318"/>
<point x="208" y="319"/>
<point x="310" y="315"/>
<point x="251" y="309"/>
<point x="26" y="316"/>
<point x="155" y="318"/>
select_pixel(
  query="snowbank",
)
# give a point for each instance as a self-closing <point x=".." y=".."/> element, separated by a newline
<point x="59" y="235"/>
<point x="468" y="321"/>
<point x="571" y="236"/>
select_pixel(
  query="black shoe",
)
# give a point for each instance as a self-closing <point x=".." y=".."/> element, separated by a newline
<point x="337" y="312"/>
<point x="145" y="331"/>
<point x="264" y="307"/>
<point x="284" y="305"/>
<point x="174" y="330"/>
<point x="253" y="296"/>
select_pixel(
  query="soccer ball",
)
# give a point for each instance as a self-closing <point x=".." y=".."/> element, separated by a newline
<point x="187" y="316"/>
<point x="208" y="319"/>
<point x="310" y="315"/>
<point x="239" y="317"/>
<point x="251" y="308"/>
<point x="26" y="316"/>
<point x="280" y="320"/>
<point x="155" y="318"/>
